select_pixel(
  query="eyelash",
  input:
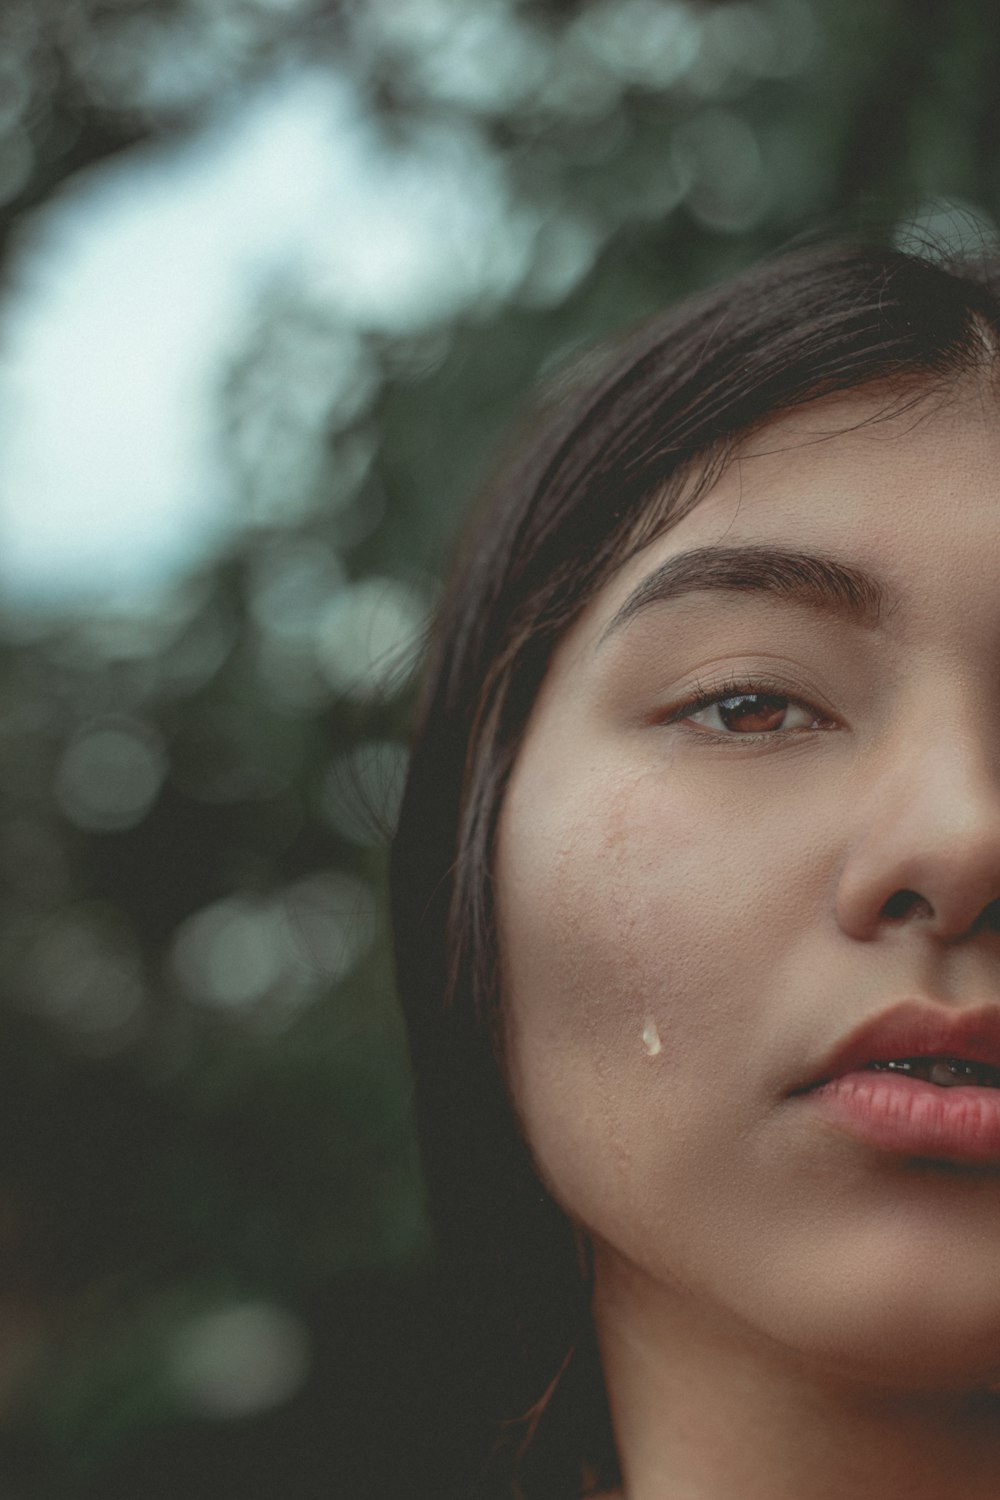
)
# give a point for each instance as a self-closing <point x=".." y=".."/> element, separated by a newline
<point x="735" y="687"/>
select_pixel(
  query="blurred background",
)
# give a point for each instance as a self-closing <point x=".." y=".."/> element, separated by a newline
<point x="276" y="277"/>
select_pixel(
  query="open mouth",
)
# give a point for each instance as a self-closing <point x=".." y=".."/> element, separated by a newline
<point x="918" y="1081"/>
<point x="945" y="1072"/>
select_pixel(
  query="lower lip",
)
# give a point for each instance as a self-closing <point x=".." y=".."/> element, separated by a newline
<point x="909" y="1117"/>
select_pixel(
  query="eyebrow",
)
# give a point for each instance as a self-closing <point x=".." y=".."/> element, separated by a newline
<point x="800" y="578"/>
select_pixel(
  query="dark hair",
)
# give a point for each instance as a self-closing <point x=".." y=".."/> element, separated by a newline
<point x="608" y="468"/>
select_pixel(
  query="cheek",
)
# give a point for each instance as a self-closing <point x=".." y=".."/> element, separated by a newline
<point x="642" y="928"/>
<point x="594" y="977"/>
<point x="624" y="901"/>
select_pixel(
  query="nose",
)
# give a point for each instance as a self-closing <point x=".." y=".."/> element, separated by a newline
<point x="927" y="845"/>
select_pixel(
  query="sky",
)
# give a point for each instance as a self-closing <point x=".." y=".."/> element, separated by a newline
<point x="135" y="291"/>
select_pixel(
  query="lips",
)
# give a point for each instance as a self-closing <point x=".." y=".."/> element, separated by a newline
<point x="906" y="1111"/>
<point x="912" y="1030"/>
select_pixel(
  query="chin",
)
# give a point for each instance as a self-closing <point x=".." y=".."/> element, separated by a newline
<point x="902" y="1331"/>
<point x="902" y="1359"/>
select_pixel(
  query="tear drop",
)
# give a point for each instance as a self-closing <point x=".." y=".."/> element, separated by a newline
<point x="651" y="1038"/>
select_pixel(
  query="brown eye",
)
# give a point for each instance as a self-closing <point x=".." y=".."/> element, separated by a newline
<point x="753" y="714"/>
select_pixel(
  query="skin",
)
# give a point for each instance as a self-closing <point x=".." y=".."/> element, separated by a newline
<point x="689" y="924"/>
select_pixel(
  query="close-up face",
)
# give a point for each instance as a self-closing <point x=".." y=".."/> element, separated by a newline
<point x="749" y="849"/>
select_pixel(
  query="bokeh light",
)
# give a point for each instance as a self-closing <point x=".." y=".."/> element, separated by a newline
<point x="240" y="1360"/>
<point x="366" y="638"/>
<point x="110" y="775"/>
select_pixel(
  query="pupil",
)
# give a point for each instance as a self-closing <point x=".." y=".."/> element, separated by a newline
<point x="752" y="712"/>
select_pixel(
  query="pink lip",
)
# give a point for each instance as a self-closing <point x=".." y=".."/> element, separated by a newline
<point x="909" y="1116"/>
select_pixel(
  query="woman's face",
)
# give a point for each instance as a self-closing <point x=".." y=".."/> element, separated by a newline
<point x="700" y="901"/>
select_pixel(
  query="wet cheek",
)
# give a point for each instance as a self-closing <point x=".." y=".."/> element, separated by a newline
<point x="639" y="940"/>
<point x="611" y="981"/>
<point x="626" y="903"/>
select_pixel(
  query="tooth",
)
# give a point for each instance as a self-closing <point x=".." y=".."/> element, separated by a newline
<point x="945" y="1074"/>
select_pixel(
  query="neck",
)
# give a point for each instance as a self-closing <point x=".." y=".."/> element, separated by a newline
<point x="701" y="1412"/>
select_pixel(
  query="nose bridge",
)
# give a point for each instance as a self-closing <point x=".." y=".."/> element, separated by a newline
<point x="926" y="830"/>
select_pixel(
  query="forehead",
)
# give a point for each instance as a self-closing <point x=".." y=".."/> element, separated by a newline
<point x="898" y="487"/>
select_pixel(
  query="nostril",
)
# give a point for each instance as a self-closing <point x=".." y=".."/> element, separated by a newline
<point x="989" y="920"/>
<point x="906" y="903"/>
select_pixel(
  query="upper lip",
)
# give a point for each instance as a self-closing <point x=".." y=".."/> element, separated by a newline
<point x="916" y="1028"/>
